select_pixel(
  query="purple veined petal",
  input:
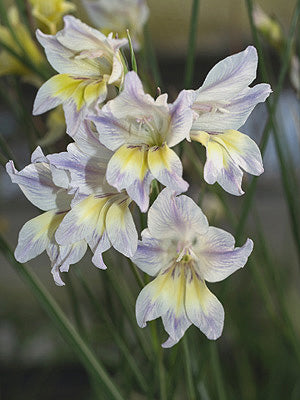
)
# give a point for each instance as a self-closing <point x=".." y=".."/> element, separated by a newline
<point x="243" y="151"/>
<point x="220" y="167"/>
<point x="217" y="256"/>
<point x="132" y="101"/>
<point x="62" y="59"/>
<point x="88" y="142"/>
<point x="113" y="133"/>
<point x="128" y="169"/>
<point x="203" y="308"/>
<point x="233" y="113"/>
<point x="229" y="76"/>
<point x="74" y="117"/>
<point x="171" y="216"/>
<point x="121" y="229"/>
<point x="164" y="297"/>
<point x="181" y="119"/>
<point x="36" y="235"/>
<point x="46" y="99"/>
<point x="166" y="167"/>
<point x="77" y="36"/>
<point x="36" y="182"/>
<point x="150" y="256"/>
<point x="102" y="245"/>
<point x="38" y="156"/>
<point x="83" y="221"/>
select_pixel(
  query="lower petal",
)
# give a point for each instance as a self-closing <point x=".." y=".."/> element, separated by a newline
<point x="166" y="167"/>
<point x="36" y="235"/>
<point x="164" y="297"/>
<point x="203" y="308"/>
<point x="128" y="169"/>
<point x="121" y="229"/>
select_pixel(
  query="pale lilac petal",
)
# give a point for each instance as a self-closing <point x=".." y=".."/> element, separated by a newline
<point x="83" y="221"/>
<point x="243" y="151"/>
<point x="181" y="119"/>
<point x="164" y="297"/>
<point x="150" y="256"/>
<point x="98" y="248"/>
<point x="166" y="167"/>
<point x="233" y="113"/>
<point x="36" y="182"/>
<point x="128" y="169"/>
<point x="217" y="256"/>
<point x="229" y="76"/>
<point x="78" y="36"/>
<point x="45" y="99"/>
<point x="121" y="229"/>
<point x="203" y="308"/>
<point x="36" y="235"/>
<point x="228" y="175"/>
<point x="171" y="216"/>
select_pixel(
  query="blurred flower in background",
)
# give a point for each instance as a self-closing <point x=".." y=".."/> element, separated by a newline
<point x="19" y="40"/>
<point x="118" y="16"/>
<point x="49" y="13"/>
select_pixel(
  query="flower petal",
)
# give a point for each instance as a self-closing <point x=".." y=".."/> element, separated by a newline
<point x="36" y="234"/>
<point x="128" y="169"/>
<point x="229" y="76"/>
<point x="121" y="229"/>
<point x="166" y="167"/>
<point x="203" y="308"/>
<point x="150" y="257"/>
<point x="217" y="256"/>
<point x="243" y="151"/>
<point x="36" y="182"/>
<point x="179" y="216"/>
<point x="164" y="297"/>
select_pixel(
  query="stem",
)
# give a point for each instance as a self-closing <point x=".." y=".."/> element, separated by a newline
<point x="136" y="274"/>
<point x="217" y="370"/>
<point x="151" y="57"/>
<point x="266" y="133"/>
<point x="189" y="375"/>
<point x="61" y="321"/>
<point x="189" y="70"/>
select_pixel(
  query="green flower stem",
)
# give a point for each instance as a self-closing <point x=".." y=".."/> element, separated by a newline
<point x="5" y="149"/>
<point x="215" y="360"/>
<point x="103" y="315"/>
<point x="136" y="274"/>
<point x="3" y="160"/>
<point x="288" y="189"/>
<point x="127" y="301"/>
<point x="159" y="361"/>
<point x="93" y="366"/>
<point x="267" y="130"/>
<point x="75" y="306"/>
<point x="188" y="370"/>
<point x="189" y="70"/>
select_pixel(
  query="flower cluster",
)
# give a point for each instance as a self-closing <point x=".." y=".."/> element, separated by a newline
<point x="123" y="140"/>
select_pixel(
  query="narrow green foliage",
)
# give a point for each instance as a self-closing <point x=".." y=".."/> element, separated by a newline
<point x="189" y="69"/>
<point x="215" y="360"/>
<point x="58" y="317"/>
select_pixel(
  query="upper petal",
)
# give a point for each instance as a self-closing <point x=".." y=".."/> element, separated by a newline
<point x="36" y="182"/>
<point x="217" y="256"/>
<point x="177" y="216"/>
<point x="229" y="76"/>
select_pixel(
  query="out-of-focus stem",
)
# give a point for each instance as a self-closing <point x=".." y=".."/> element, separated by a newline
<point x="189" y="69"/>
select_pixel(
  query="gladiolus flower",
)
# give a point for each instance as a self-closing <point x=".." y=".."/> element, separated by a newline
<point x="88" y="65"/>
<point x="182" y="251"/>
<point x="222" y="105"/>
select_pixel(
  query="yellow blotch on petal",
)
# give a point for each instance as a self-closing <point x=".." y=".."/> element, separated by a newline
<point x="132" y="159"/>
<point x="47" y="223"/>
<point x="160" y="158"/>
